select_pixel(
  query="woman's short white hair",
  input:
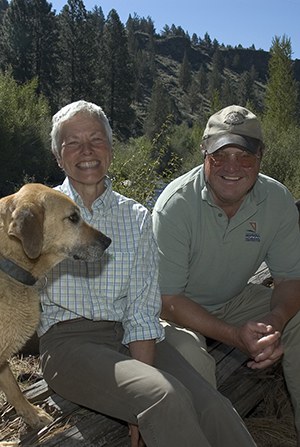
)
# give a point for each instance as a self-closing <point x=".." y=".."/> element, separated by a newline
<point x="67" y="112"/>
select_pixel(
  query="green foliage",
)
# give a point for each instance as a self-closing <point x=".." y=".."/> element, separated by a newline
<point x="142" y="167"/>
<point x="75" y="41"/>
<point x="281" y="93"/>
<point x="118" y="76"/>
<point x="160" y="109"/>
<point x="79" y="54"/>
<point x="29" y="43"/>
<point x="185" y="144"/>
<point x="215" y="77"/>
<point x="185" y="73"/>
<point x="134" y="171"/>
<point x="24" y="126"/>
<point x="282" y="157"/>
<point x="282" y="135"/>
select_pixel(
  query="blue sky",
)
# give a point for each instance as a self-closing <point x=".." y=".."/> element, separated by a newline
<point x="231" y="22"/>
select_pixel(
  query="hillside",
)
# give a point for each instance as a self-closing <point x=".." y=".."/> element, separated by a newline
<point x="233" y="64"/>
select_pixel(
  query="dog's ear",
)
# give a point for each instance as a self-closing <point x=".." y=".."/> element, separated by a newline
<point x="27" y="225"/>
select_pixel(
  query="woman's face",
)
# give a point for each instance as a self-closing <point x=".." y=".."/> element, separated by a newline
<point x="86" y="153"/>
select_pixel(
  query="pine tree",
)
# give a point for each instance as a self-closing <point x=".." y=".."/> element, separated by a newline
<point x="194" y="99"/>
<point x="160" y="108"/>
<point x="245" y="89"/>
<point x="118" y="75"/>
<point x="195" y="40"/>
<point x="95" y="23"/>
<point x="228" y="96"/>
<point x="3" y="8"/>
<point x="76" y="56"/>
<point x="281" y="92"/>
<point x="215" y="78"/>
<point x="29" y="37"/>
<point x="202" y="79"/>
<point x="207" y="41"/>
<point x="143" y="59"/>
<point x="185" y="73"/>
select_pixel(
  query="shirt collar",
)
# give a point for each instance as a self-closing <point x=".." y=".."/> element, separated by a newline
<point x="102" y="202"/>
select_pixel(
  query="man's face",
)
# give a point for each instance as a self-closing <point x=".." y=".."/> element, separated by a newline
<point x="230" y="174"/>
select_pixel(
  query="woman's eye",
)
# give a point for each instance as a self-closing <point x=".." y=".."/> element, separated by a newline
<point x="97" y="141"/>
<point x="71" y="144"/>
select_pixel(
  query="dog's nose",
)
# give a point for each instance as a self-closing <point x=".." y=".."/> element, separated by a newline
<point x="106" y="242"/>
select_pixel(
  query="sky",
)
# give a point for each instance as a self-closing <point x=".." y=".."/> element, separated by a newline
<point x="231" y="22"/>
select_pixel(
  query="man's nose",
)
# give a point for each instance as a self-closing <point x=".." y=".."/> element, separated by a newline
<point x="232" y="161"/>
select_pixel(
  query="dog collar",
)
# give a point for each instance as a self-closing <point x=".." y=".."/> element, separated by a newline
<point x="16" y="272"/>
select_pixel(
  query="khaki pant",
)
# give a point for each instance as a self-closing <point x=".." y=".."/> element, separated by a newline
<point x="85" y="362"/>
<point x="252" y="304"/>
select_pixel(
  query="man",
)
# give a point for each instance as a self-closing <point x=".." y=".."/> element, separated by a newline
<point x="101" y="340"/>
<point x="214" y="226"/>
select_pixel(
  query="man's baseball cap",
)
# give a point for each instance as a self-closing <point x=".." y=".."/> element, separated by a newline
<point x="233" y="126"/>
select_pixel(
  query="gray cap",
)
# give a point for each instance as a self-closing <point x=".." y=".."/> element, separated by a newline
<point x="233" y="126"/>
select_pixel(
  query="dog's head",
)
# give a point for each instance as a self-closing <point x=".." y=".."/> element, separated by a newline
<point x="48" y="223"/>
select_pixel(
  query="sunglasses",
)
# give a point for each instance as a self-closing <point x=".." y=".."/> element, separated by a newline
<point x="244" y="159"/>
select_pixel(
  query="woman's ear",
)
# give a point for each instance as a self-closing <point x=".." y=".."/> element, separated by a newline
<point x="59" y="162"/>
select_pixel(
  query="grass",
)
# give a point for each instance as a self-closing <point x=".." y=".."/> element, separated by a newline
<point x="272" y="422"/>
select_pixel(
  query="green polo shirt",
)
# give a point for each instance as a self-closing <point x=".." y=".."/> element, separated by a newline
<point x="210" y="258"/>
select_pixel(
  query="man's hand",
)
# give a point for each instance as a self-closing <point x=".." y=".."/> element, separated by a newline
<point x="261" y="342"/>
<point x="266" y="358"/>
<point x="135" y="437"/>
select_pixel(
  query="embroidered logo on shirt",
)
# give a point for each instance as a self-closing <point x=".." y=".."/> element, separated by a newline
<point x="251" y="234"/>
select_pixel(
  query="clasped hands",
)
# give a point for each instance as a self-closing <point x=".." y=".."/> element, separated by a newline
<point x="261" y="341"/>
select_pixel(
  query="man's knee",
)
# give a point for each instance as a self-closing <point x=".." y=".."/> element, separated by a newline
<point x="193" y="348"/>
<point x="291" y="333"/>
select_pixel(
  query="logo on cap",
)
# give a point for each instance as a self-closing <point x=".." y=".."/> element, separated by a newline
<point x="234" y="118"/>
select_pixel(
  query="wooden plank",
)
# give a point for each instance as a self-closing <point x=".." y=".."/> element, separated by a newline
<point x="247" y="388"/>
<point x="80" y="428"/>
<point x="73" y="425"/>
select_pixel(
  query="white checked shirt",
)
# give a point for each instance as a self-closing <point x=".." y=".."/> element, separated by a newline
<point x="123" y="286"/>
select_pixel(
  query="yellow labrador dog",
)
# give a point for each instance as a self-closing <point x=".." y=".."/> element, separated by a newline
<point x="39" y="227"/>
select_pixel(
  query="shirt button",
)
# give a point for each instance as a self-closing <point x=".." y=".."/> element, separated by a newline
<point x="220" y="215"/>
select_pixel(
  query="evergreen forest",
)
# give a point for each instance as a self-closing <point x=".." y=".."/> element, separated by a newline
<point x="157" y="89"/>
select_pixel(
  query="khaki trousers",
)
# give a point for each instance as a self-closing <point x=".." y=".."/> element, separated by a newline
<point x="85" y="362"/>
<point x="252" y="304"/>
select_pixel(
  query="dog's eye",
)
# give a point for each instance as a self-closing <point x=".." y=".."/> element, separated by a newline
<point x="74" y="218"/>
